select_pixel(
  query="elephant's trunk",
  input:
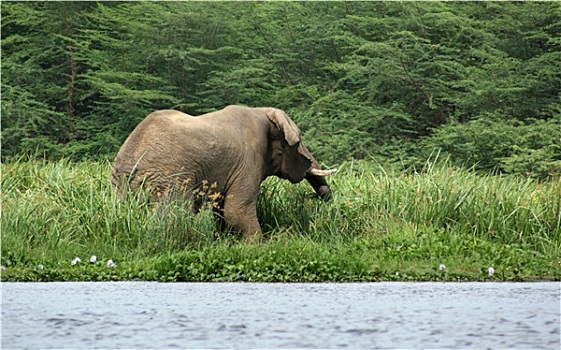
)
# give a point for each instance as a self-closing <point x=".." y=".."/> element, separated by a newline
<point x="316" y="178"/>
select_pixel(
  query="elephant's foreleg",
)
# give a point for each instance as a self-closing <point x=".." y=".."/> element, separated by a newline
<point x="243" y="217"/>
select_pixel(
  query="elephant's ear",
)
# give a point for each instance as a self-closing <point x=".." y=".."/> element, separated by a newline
<point x="296" y="160"/>
<point x="286" y="125"/>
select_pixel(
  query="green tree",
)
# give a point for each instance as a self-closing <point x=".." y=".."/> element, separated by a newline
<point x="394" y="81"/>
<point x="39" y="76"/>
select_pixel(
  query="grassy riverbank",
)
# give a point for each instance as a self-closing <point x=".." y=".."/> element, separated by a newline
<point x="438" y="224"/>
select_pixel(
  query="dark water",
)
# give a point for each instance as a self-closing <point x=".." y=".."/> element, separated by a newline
<point x="245" y="315"/>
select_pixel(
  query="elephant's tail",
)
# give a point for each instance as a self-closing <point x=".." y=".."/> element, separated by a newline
<point x="121" y="179"/>
<point x="119" y="182"/>
<point x="122" y="173"/>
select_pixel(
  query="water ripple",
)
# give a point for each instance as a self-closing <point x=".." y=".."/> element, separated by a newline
<point x="238" y="315"/>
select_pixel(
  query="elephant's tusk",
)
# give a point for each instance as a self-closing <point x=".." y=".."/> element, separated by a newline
<point x="319" y="172"/>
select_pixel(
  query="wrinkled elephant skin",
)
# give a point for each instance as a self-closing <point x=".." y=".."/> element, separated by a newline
<point x="224" y="155"/>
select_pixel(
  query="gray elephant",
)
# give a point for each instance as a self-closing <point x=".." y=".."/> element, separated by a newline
<point x="223" y="156"/>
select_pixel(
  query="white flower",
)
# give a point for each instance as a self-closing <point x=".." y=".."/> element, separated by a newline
<point x="491" y="271"/>
<point x="110" y="263"/>
<point x="2" y="268"/>
<point x="75" y="261"/>
<point x="41" y="267"/>
<point x="442" y="267"/>
<point x="93" y="259"/>
<point x="397" y="273"/>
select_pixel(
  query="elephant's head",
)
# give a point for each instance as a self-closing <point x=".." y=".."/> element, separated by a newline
<point x="291" y="159"/>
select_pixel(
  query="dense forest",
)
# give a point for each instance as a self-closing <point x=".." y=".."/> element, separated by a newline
<point x="397" y="82"/>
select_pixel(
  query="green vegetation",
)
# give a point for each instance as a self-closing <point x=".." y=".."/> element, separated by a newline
<point x="378" y="226"/>
<point x="394" y="81"/>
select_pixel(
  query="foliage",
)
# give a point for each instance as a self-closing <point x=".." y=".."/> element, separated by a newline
<point x="531" y="148"/>
<point x="391" y="80"/>
<point x="377" y="223"/>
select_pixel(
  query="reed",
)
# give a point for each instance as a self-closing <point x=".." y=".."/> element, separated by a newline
<point x="377" y="224"/>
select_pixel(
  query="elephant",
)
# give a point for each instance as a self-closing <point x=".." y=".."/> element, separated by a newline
<point x="223" y="156"/>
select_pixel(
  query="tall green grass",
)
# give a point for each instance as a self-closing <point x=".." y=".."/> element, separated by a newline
<point x="370" y="201"/>
<point x="377" y="224"/>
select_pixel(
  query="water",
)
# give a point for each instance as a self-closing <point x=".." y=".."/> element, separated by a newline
<point x="143" y="315"/>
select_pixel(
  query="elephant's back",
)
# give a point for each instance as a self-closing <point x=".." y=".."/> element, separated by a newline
<point x="154" y="130"/>
<point x="149" y="151"/>
<point x="160" y="121"/>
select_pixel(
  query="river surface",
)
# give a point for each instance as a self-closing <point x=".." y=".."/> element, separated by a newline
<point x="141" y="315"/>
